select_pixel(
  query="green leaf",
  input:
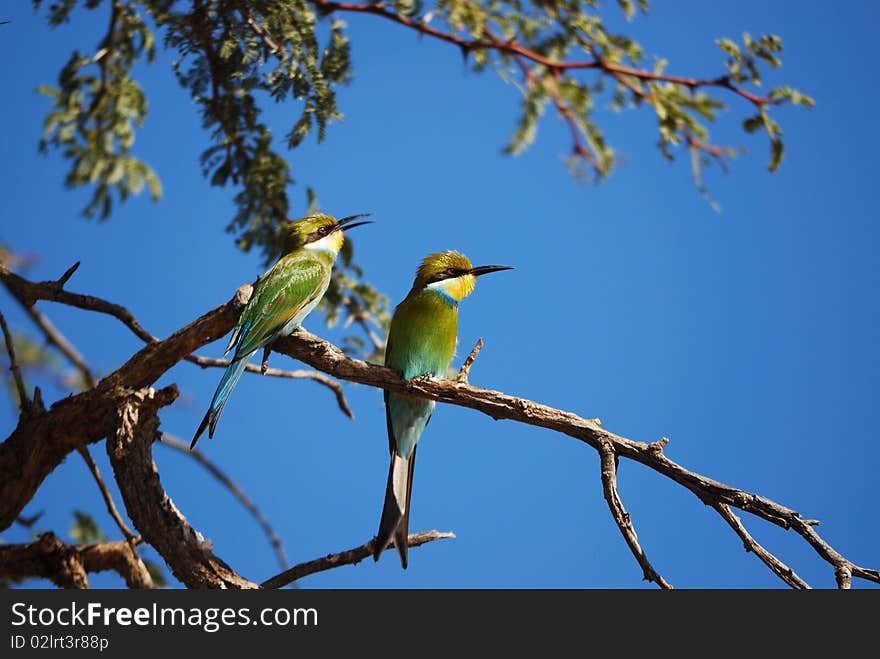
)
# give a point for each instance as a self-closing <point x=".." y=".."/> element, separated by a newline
<point x="157" y="574"/>
<point x="753" y="123"/>
<point x="776" y="151"/>
<point x="85" y="530"/>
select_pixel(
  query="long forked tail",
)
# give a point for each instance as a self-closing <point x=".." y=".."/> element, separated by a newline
<point x="395" y="513"/>
<point x="227" y="384"/>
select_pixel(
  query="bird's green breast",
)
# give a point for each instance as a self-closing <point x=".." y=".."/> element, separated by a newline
<point x="423" y="335"/>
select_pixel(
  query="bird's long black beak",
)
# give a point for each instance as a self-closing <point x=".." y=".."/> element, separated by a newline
<point x="486" y="269"/>
<point x="346" y="222"/>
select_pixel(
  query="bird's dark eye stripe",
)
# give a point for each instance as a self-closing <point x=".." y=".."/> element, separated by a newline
<point x="447" y="274"/>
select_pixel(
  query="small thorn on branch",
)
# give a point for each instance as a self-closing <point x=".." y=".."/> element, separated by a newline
<point x="659" y="445"/>
<point x="38" y="405"/>
<point x="67" y="275"/>
<point x="463" y="374"/>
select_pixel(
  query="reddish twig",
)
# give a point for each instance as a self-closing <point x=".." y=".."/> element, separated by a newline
<point x="513" y="47"/>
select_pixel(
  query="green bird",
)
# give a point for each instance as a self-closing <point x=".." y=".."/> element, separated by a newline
<point x="422" y="340"/>
<point x="282" y="298"/>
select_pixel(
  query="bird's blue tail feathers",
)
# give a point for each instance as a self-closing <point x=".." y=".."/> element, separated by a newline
<point x="224" y="389"/>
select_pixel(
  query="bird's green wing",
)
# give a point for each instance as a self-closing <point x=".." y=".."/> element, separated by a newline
<point x="289" y="286"/>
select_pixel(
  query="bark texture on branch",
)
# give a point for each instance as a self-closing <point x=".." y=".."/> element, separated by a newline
<point x="185" y="550"/>
<point x="67" y="565"/>
<point x="41" y="441"/>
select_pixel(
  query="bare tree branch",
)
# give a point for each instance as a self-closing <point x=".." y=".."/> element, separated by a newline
<point x="38" y="444"/>
<point x="28" y="522"/>
<point x="779" y="568"/>
<point x="350" y="557"/>
<point x="274" y="540"/>
<point x="184" y="549"/>
<point x="66" y="565"/>
<point x="358" y="315"/>
<point x="56" y="338"/>
<point x="61" y="429"/>
<point x="465" y="370"/>
<point x="23" y="400"/>
<point x="299" y="374"/>
<point x="105" y="494"/>
<point x="326" y="357"/>
<point x="29" y="292"/>
<point x="622" y="518"/>
<point x="277" y="50"/>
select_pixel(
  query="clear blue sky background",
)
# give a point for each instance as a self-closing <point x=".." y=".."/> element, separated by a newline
<point x="748" y="338"/>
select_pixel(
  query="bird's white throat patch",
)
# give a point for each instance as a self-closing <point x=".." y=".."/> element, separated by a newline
<point x="331" y="243"/>
<point x="455" y="288"/>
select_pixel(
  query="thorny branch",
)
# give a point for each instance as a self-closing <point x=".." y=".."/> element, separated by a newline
<point x="117" y="399"/>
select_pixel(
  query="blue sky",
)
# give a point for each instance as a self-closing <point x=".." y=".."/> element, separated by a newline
<point x="746" y="337"/>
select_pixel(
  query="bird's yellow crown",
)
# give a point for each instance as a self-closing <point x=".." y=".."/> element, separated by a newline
<point x="447" y="272"/>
